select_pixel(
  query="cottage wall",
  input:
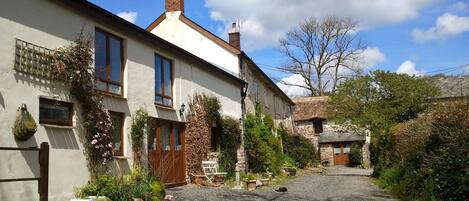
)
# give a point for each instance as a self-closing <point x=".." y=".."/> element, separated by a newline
<point x="177" y="32"/>
<point x="260" y="90"/>
<point x="306" y="129"/>
<point x="49" y="25"/>
<point x="327" y="154"/>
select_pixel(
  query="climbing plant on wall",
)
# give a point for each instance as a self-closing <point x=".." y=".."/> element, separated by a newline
<point x="72" y="65"/>
<point x="139" y="122"/>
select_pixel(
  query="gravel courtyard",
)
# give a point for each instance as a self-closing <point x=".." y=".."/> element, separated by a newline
<point x="340" y="183"/>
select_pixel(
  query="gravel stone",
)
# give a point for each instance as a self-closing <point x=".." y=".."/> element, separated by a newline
<point x="340" y="184"/>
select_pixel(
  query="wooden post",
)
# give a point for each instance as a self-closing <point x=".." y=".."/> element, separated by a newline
<point x="44" y="172"/>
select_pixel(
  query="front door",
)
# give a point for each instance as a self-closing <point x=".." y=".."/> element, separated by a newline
<point x="341" y="153"/>
<point x="166" y="152"/>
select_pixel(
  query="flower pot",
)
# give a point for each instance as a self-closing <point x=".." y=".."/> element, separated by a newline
<point x="290" y="171"/>
<point x="250" y="185"/>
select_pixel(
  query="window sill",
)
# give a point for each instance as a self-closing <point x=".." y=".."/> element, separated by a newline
<point x="164" y="107"/>
<point x="121" y="157"/>
<point x="111" y="95"/>
<point x="56" y="126"/>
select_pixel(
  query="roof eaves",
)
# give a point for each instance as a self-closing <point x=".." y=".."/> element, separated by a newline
<point x="285" y="96"/>
<point x="90" y="9"/>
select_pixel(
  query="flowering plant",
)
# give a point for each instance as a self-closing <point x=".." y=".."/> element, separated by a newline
<point x="72" y="65"/>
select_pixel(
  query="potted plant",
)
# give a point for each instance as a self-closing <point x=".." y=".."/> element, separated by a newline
<point x="250" y="180"/>
<point x="289" y="167"/>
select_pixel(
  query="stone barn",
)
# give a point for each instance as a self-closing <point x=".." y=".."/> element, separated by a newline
<point x="332" y="141"/>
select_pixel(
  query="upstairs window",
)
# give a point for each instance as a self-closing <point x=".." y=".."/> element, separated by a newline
<point x="318" y="127"/>
<point x="55" y="112"/>
<point x="163" y="81"/>
<point x="108" y="62"/>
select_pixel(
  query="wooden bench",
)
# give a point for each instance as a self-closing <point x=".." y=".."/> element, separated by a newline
<point x="211" y="172"/>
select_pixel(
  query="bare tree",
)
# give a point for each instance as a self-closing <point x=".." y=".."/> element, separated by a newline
<point x="320" y="51"/>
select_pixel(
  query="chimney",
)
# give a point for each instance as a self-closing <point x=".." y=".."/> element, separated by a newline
<point x="235" y="36"/>
<point x="174" y="5"/>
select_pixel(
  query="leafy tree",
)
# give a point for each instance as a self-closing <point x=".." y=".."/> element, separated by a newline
<point x="379" y="101"/>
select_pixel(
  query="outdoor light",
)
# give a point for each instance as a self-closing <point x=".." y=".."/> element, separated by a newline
<point x="182" y="109"/>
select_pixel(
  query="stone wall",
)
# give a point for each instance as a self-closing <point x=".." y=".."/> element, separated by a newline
<point x="327" y="154"/>
<point x="306" y="129"/>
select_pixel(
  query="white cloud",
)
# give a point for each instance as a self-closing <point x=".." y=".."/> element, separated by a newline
<point x="293" y="91"/>
<point x="408" y="67"/>
<point x="265" y="21"/>
<point x="130" y="16"/>
<point x="371" y="57"/>
<point x="447" y="25"/>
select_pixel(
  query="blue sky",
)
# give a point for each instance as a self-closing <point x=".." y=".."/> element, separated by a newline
<point x="422" y="35"/>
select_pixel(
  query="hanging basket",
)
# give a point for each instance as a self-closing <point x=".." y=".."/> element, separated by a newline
<point x="25" y="126"/>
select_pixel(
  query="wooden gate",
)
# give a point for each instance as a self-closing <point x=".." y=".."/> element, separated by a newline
<point x="43" y="179"/>
<point x="341" y="153"/>
<point x="166" y="152"/>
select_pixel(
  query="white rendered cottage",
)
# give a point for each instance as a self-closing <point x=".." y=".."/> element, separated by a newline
<point x="143" y="71"/>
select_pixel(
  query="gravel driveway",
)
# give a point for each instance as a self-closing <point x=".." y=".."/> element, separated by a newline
<point x="341" y="183"/>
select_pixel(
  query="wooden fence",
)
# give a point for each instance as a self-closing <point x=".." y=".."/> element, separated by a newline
<point x="43" y="179"/>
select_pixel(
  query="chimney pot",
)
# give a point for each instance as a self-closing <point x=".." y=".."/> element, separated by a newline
<point x="234" y="36"/>
<point x="174" y="5"/>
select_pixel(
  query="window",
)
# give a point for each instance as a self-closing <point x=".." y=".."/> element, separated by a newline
<point x="337" y="149"/>
<point x="317" y="124"/>
<point x="215" y="134"/>
<point x="177" y="139"/>
<point x="108" y="62"/>
<point x="166" y="137"/>
<point x="346" y="149"/>
<point x="55" y="112"/>
<point x="117" y="133"/>
<point x="163" y="81"/>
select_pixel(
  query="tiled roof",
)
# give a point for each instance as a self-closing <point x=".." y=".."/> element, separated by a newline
<point x="451" y="87"/>
<point x="307" y="108"/>
<point x="333" y="136"/>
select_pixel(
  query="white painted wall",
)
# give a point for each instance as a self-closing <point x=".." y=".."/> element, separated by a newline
<point x="180" y="34"/>
<point x="47" y="24"/>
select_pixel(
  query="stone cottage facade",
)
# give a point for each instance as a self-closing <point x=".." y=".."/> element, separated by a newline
<point x="331" y="141"/>
<point x="143" y="71"/>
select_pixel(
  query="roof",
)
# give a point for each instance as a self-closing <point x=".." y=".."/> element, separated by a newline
<point x="307" y="108"/>
<point x="451" y="87"/>
<point x="276" y="88"/>
<point x="199" y="29"/>
<point x="332" y="136"/>
<point x="109" y="19"/>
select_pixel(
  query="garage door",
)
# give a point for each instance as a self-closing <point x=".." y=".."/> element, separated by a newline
<point x="341" y="153"/>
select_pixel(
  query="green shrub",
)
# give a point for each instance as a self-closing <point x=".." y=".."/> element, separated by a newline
<point x="355" y="154"/>
<point x="390" y="177"/>
<point x="263" y="149"/>
<point x="138" y="184"/>
<point x="434" y="164"/>
<point x="298" y="148"/>
<point x="230" y="141"/>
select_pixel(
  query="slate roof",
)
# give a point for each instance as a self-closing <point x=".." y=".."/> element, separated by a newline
<point x="333" y="136"/>
<point x="451" y="87"/>
<point x="307" y="108"/>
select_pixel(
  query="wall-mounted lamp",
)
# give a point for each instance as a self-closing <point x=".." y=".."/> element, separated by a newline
<point x="182" y="109"/>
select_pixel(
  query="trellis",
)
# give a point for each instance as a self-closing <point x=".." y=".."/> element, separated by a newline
<point x="33" y="59"/>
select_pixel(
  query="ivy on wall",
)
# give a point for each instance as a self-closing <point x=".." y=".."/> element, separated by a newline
<point x="137" y="132"/>
<point x="73" y="65"/>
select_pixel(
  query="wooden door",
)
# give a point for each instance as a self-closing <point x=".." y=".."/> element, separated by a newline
<point x="166" y="152"/>
<point x="341" y="153"/>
